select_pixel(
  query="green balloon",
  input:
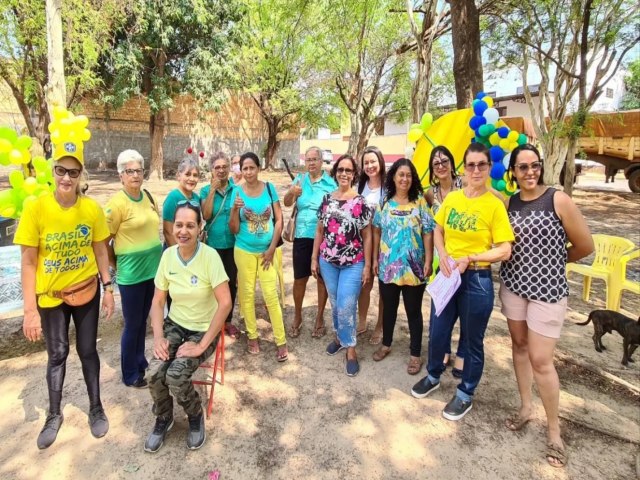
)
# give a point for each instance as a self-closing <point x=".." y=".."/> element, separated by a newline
<point x="494" y="184"/>
<point x="16" y="179"/>
<point x="522" y="139"/>
<point x="500" y="185"/>
<point x="23" y="142"/>
<point x="4" y="159"/>
<point x="8" y="134"/>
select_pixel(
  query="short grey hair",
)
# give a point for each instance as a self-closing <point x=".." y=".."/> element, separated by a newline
<point x="317" y="149"/>
<point x="188" y="163"/>
<point x="217" y="156"/>
<point x="128" y="156"/>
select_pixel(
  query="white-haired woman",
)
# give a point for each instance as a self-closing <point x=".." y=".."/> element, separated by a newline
<point x="133" y="220"/>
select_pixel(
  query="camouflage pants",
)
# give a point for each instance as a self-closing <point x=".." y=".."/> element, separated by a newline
<point x="173" y="377"/>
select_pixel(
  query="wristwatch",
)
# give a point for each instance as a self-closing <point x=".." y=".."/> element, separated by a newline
<point x="107" y="286"/>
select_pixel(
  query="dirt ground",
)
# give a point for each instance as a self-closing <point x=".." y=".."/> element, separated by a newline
<point x="306" y="419"/>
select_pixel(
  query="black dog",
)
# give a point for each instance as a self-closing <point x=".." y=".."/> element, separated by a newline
<point x="605" y="321"/>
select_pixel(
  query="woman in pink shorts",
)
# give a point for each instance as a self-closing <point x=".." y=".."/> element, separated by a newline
<point x="534" y="290"/>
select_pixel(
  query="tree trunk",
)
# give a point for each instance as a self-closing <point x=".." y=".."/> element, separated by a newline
<point x="363" y="138"/>
<point x="570" y="166"/>
<point x="272" y="143"/>
<point x="157" y="123"/>
<point x="554" y="152"/>
<point x="56" y="91"/>
<point x="467" y="59"/>
<point x="424" y="47"/>
<point x="354" y="120"/>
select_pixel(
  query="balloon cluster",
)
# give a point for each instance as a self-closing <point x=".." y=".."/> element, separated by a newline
<point x="68" y="132"/>
<point x="24" y="190"/>
<point x="417" y="130"/>
<point x="498" y="138"/>
<point x="14" y="149"/>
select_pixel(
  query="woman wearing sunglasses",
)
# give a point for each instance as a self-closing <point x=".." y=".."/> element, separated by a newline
<point x="193" y="274"/>
<point x="443" y="179"/>
<point x="342" y="255"/>
<point x="133" y="220"/>
<point x="62" y="236"/>
<point x="534" y="290"/>
<point x="472" y="232"/>
<point x="188" y="176"/>
<point x="256" y="221"/>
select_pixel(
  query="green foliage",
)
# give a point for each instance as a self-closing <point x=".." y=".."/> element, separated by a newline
<point x="169" y="47"/>
<point x="631" y="99"/>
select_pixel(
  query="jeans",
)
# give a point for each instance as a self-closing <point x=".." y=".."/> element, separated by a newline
<point x="136" y="303"/>
<point x="343" y="286"/>
<point x="412" y="299"/>
<point x="473" y="303"/>
<point x="226" y="255"/>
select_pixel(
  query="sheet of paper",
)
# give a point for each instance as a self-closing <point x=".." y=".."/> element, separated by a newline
<point x="443" y="288"/>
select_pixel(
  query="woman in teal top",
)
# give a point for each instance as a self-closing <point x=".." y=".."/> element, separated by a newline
<point x="256" y="221"/>
<point x="216" y="210"/>
<point x="188" y="176"/>
<point x="307" y="192"/>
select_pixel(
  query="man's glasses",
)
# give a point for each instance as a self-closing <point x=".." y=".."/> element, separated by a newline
<point x="72" y="172"/>
<point x="134" y="171"/>
<point x="482" y="166"/>
<point x="442" y="163"/>
<point x="348" y="171"/>
<point x="524" y="167"/>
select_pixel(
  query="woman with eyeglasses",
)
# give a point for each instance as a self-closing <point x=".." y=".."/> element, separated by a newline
<point x="307" y="192"/>
<point x="342" y="255"/>
<point x="216" y="210"/>
<point x="256" y="221"/>
<point x="133" y="220"/>
<point x="188" y="176"/>
<point x="402" y="256"/>
<point x="371" y="187"/>
<point x="533" y="287"/>
<point x="472" y="232"/>
<point x="443" y="180"/>
<point x="62" y="235"/>
<point x="193" y="274"/>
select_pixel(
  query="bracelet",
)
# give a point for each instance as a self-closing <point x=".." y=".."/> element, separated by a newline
<point x="106" y="284"/>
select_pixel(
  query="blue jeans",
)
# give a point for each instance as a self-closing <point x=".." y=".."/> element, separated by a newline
<point x="343" y="286"/>
<point x="136" y="303"/>
<point x="473" y="303"/>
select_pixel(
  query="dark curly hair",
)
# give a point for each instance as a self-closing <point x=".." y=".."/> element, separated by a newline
<point x="415" y="190"/>
<point x="447" y="153"/>
<point x="514" y="157"/>
<point x="334" y="169"/>
<point x="363" y="176"/>
<point x="250" y="156"/>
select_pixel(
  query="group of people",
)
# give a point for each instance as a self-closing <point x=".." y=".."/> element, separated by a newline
<point x="352" y="225"/>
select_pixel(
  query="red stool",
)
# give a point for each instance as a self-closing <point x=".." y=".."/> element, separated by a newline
<point x="215" y="367"/>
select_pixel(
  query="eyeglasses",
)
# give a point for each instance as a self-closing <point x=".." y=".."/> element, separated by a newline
<point x="221" y="167"/>
<point x="482" y="166"/>
<point x="133" y="171"/>
<point x="311" y="159"/>
<point x="442" y="163"/>
<point x="193" y="203"/>
<point x="72" y="172"/>
<point x="524" y="167"/>
<point x="348" y="171"/>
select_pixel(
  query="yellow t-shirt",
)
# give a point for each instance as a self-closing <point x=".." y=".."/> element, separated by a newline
<point x="64" y="237"/>
<point x="134" y="223"/>
<point x="473" y="225"/>
<point x="191" y="285"/>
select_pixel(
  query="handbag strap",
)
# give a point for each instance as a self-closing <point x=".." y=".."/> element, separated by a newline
<point x="215" y="217"/>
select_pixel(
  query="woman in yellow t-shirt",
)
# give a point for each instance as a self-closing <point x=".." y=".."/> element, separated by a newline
<point x="62" y="237"/>
<point x="194" y="275"/>
<point x="472" y="232"/>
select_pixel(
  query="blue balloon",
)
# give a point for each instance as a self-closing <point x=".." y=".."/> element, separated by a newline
<point x="481" y="95"/>
<point x="503" y="132"/>
<point x="497" y="154"/>
<point x="476" y="121"/>
<point x="497" y="171"/>
<point x="480" y="107"/>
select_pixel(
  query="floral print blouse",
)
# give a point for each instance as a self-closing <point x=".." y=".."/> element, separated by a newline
<point x="402" y="255"/>
<point x="343" y="222"/>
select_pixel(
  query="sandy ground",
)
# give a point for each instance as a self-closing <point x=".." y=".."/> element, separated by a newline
<point x="306" y="419"/>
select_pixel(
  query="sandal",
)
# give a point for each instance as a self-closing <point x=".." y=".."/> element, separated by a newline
<point x="231" y="330"/>
<point x="295" y="331"/>
<point x="381" y="353"/>
<point x="516" y="423"/>
<point x="414" y="365"/>
<point x="558" y="453"/>
<point x="319" y="332"/>
<point x="376" y="338"/>
<point x="283" y="354"/>
<point x="253" y="347"/>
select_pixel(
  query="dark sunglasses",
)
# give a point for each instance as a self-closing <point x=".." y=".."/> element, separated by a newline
<point x="348" y="171"/>
<point x="72" y="172"/>
<point x="442" y="163"/>
<point x="524" y="167"/>
<point x="193" y="203"/>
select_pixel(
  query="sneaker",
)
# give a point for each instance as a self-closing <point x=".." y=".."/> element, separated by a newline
<point x="197" y="433"/>
<point x="49" y="432"/>
<point x="334" y="348"/>
<point x="98" y="422"/>
<point x="139" y="383"/>
<point x="156" y="438"/>
<point x="456" y="372"/>
<point x="456" y="408"/>
<point x="424" y="387"/>
<point x="352" y="368"/>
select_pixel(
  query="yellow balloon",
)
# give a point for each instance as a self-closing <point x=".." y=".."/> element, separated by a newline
<point x="488" y="100"/>
<point x="494" y="138"/>
<point x="26" y="156"/>
<point x="513" y="136"/>
<point x="5" y="145"/>
<point x="513" y="146"/>
<point x="59" y="113"/>
<point x="30" y="184"/>
<point x="82" y="121"/>
<point x="85" y="136"/>
<point x="15" y="157"/>
<point x="8" y="211"/>
<point x="414" y="135"/>
<point x="504" y="145"/>
<point x="511" y="187"/>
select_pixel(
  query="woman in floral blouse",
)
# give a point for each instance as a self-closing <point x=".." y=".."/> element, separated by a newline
<point x="402" y="256"/>
<point x="343" y="245"/>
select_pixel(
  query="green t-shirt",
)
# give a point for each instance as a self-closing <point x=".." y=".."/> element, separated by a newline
<point x="219" y="235"/>
<point x="171" y="202"/>
<point x="190" y="284"/>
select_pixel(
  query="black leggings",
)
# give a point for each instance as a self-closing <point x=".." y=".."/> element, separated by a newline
<point x="226" y="255"/>
<point x="55" y="326"/>
<point x="412" y="299"/>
